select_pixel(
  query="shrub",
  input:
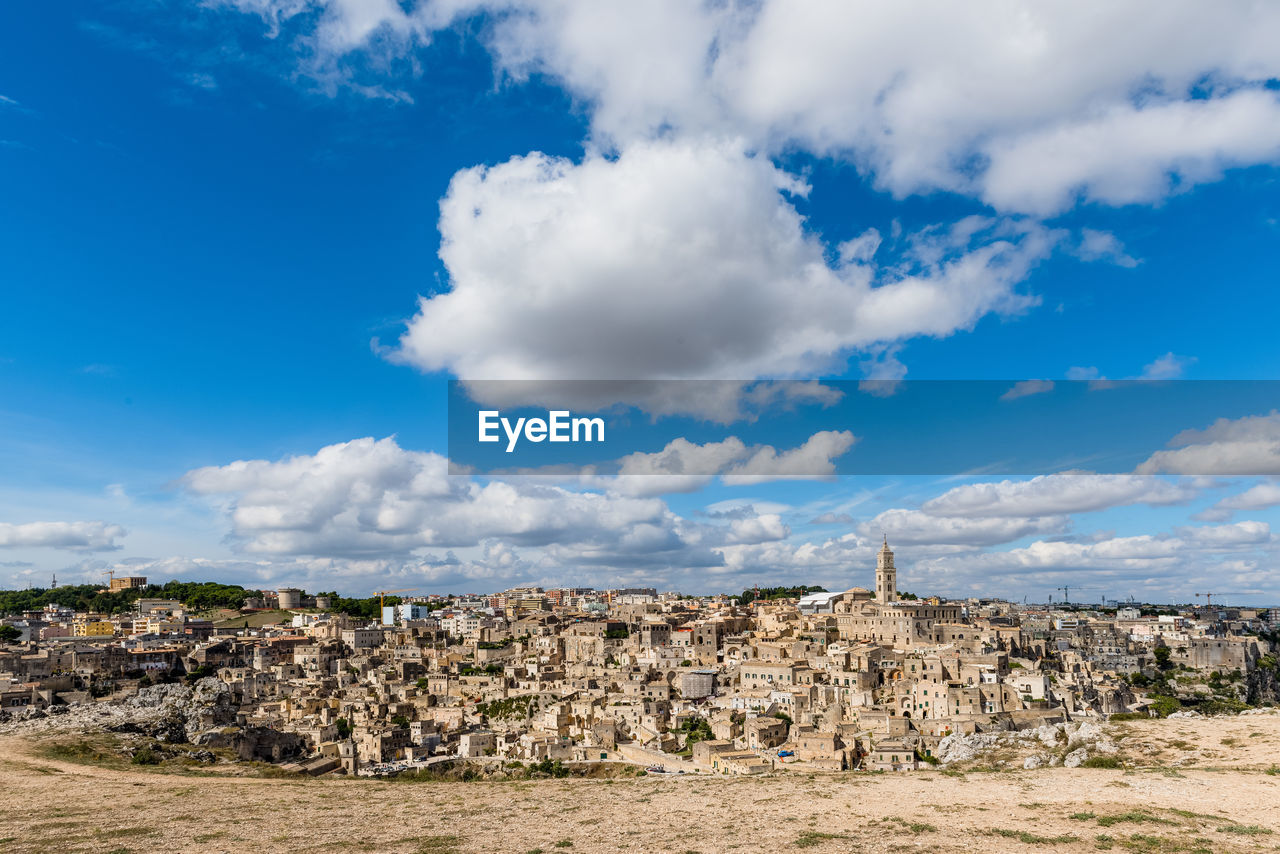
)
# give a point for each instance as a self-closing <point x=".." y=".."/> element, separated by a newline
<point x="1130" y="716"/>
<point x="1101" y="762"/>
<point x="145" y="756"/>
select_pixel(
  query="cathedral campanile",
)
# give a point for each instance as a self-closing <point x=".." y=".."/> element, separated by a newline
<point x="886" y="575"/>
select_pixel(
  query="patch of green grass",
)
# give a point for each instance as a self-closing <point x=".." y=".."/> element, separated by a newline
<point x="810" y="838"/>
<point x="442" y="844"/>
<point x="1082" y="816"/>
<point x="80" y="750"/>
<point x="209" y="837"/>
<point x="916" y="827"/>
<point x="1032" y="838"/>
<point x="1132" y="817"/>
<point x="1101" y="762"/>
<point x="565" y="843"/>
<point x="128" y="831"/>
<point x="1245" y="829"/>
<point x="1147" y="844"/>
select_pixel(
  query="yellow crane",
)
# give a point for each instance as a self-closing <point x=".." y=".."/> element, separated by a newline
<point x="383" y="594"/>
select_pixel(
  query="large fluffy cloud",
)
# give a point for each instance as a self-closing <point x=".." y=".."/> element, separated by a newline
<point x="684" y="466"/>
<point x="1161" y="567"/>
<point x="1027" y="107"/>
<point x="73" y="536"/>
<point x="914" y="527"/>
<point x="1056" y="494"/>
<point x="684" y="259"/>
<point x="372" y="497"/>
<point x="1144" y="554"/>
<point x="988" y="514"/>
<point x="372" y="500"/>
<point x="1260" y="496"/>
<point x="1249" y="445"/>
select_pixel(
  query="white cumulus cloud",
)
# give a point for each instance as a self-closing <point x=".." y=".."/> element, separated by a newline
<point x="1029" y="107"/>
<point x="1057" y="494"/>
<point x="73" y="536"/>
<point x="683" y="259"/>
<point x="1242" y="446"/>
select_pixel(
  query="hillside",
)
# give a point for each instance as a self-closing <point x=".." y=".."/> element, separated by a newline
<point x="1194" y="785"/>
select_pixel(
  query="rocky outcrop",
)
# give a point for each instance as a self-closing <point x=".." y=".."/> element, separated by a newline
<point x="176" y="713"/>
<point x="171" y="713"/>
<point x="1068" y="744"/>
<point x="202" y="714"/>
<point x="1262" y="685"/>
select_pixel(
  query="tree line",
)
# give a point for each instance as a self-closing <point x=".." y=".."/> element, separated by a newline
<point x="195" y="595"/>
<point x="768" y="593"/>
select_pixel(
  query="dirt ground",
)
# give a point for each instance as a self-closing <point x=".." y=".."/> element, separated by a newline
<point x="1194" y="785"/>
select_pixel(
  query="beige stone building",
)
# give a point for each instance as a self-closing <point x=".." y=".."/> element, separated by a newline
<point x="885" y="619"/>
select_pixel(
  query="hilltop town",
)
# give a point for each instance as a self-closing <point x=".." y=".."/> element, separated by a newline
<point x="858" y="680"/>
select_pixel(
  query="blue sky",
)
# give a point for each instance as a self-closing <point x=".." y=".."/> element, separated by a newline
<point x="218" y="220"/>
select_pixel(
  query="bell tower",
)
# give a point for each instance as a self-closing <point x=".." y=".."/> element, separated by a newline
<point x="886" y="575"/>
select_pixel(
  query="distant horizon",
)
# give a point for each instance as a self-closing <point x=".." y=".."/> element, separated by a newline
<point x="1111" y="604"/>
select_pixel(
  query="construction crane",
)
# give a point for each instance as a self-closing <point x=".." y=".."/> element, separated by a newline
<point x="1066" y="592"/>
<point x="383" y="594"/>
<point x="1208" y="597"/>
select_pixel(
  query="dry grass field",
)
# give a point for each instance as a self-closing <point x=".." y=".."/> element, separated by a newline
<point x="1197" y="785"/>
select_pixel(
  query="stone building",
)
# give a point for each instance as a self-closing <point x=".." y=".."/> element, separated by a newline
<point x="883" y="618"/>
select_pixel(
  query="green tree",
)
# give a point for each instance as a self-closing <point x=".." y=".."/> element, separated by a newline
<point x="9" y="634"/>
<point x="768" y="593"/>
